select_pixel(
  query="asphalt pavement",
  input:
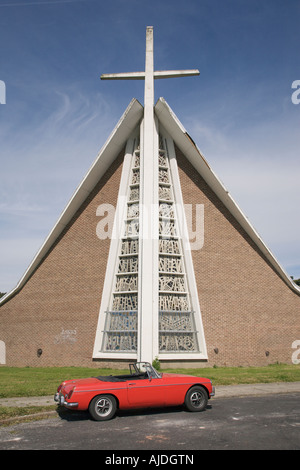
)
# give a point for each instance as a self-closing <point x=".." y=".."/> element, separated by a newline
<point x="261" y="422"/>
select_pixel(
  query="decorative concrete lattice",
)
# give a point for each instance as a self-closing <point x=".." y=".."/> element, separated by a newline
<point x="171" y="283"/>
<point x="167" y="228"/>
<point x="177" y="342"/>
<point x="125" y="302"/>
<point x="163" y="175"/>
<point x="162" y="159"/>
<point x="131" y="228"/>
<point x="167" y="246"/>
<point x="127" y="283"/>
<point x="176" y="327"/>
<point x="170" y="264"/>
<point x="133" y="210"/>
<point x="128" y="265"/>
<point x="129" y="247"/>
<point x="173" y="302"/>
<point x="165" y="193"/>
<point x="166" y="210"/>
<point x="135" y="176"/>
<point x="136" y="163"/>
<point x="120" y="342"/>
<point x="175" y="321"/>
<point x="134" y="194"/>
<point x="121" y="322"/>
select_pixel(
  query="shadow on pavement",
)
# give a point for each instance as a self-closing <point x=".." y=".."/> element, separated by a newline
<point x="75" y="415"/>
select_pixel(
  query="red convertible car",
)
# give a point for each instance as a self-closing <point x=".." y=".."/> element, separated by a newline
<point x="144" y="387"/>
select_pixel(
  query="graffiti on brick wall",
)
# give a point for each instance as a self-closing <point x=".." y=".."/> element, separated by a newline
<point x="66" y="336"/>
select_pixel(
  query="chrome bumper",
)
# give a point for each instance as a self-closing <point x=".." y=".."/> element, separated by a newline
<point x="60" y="399"/>
<point x="213" y="392"/>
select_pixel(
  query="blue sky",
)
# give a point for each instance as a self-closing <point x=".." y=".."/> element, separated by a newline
<point x="58" y="113"/>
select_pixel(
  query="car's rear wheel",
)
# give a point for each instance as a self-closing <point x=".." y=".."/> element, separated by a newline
<point x="196" y="399"/>
<point x="103" y="407"/>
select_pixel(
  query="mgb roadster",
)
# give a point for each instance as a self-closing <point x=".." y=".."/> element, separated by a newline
<point x="144" y="387"/>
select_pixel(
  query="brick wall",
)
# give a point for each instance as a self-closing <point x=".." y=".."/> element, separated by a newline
<point x="57" y="309"/>
<point x="248" y="311"/>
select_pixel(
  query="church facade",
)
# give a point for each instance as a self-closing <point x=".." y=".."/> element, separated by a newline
<point x="151" y="258"/>
<point x="78" y="302"/>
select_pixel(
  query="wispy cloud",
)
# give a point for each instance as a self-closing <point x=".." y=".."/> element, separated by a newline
<point x="46" y="2"/>
<point x="239" y="112"/>
<point x="258" y="163"/>
<point x="41" y="169"/>
<point x="16" y="254"/>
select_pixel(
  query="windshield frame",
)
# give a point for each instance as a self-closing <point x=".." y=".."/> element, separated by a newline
<point x="142" y="367"/>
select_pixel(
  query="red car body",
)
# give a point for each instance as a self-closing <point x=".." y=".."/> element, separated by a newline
<point x="144" y="387"/>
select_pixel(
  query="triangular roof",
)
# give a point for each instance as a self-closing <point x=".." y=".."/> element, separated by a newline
<point x="184" y="142"/>
<point x="107" y="155"/>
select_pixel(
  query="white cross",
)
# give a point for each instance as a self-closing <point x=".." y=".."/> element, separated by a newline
<point x="148" y="300"/>
<point x="149" y="75"/>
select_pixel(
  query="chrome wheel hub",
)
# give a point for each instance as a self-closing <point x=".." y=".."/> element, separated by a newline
<point x="196" y="399"/>
<point x="103" y="407"/>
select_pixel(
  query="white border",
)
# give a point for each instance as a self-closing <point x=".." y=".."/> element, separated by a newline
<point x="113" y="257"/>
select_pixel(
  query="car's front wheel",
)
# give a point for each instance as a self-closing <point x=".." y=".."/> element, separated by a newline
<point x="103" y="407"/>
<point x="196" y="399"/>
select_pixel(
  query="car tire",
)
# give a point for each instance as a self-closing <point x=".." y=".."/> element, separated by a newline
<point x="103" y="407"/>
<point x="196" y="399"/>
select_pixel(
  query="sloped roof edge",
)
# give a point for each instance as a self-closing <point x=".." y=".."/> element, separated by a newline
<point x="107" y="154"/>
<point x="184" y="142"/>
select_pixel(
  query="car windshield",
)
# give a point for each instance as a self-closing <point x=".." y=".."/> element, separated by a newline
<point x="144" y="367"/>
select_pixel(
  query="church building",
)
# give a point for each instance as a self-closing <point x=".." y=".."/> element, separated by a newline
<point x="151" y="259"/>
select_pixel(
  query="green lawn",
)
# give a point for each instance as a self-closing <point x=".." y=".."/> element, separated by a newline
<point x="42" y="381"/>
<point x="26" y="413"/>
<point x="37" y="381"/>
<point x="248" y="375"/>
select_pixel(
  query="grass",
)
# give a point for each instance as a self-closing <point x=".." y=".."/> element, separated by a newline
<point x="25" y="413"/>
<point x="248" y="375"/>
<point x="31" y="381"/>
<point x="37" y="381"/>
<point x="42" y="381"/>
